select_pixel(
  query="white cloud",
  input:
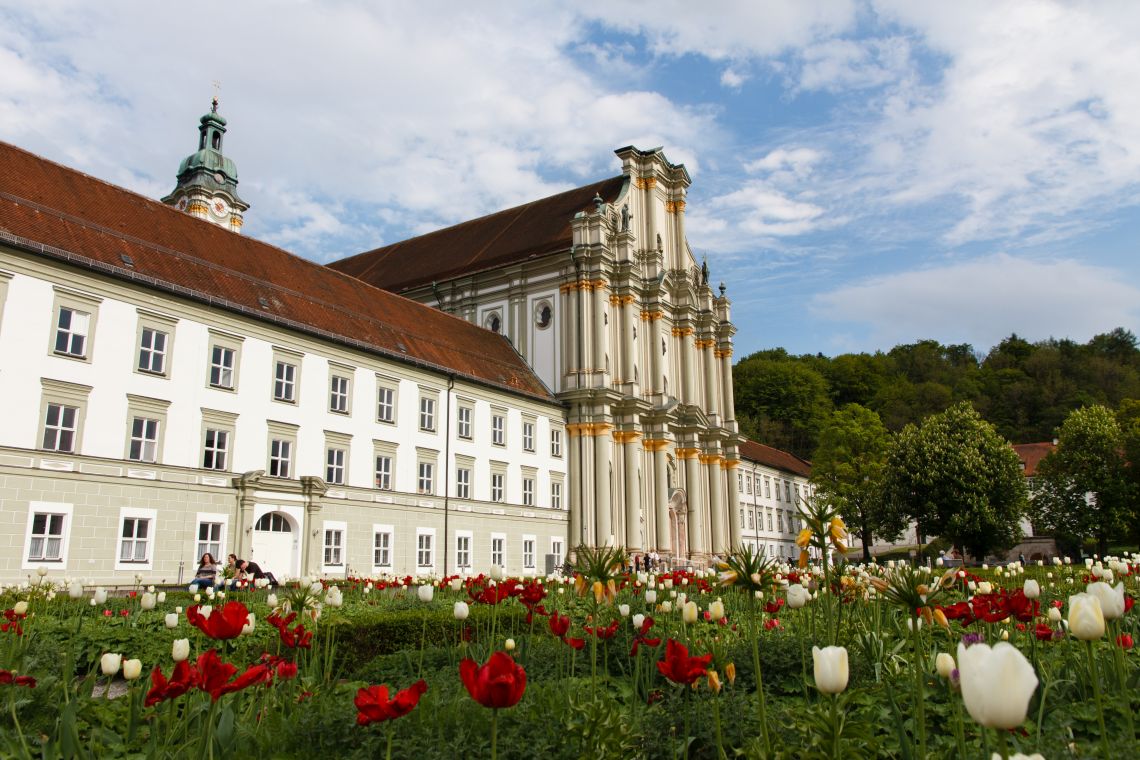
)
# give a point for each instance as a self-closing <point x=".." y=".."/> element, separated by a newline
<point x="981" y="301"/>
<point x="733" y="79"/>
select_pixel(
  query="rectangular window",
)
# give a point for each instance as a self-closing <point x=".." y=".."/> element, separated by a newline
<point x="334" y="467"/>
<point x="71" y="332"/>
<point x="751" y="520"/>
<point x="780" y="521"/>
<point x="385" y="404"/>
<point x="382" y="549"/>
<point x="426" y="478"/>
<point x="333" y="539"/>
<point x="556" y="550"/>
<point x="222" y="367"/>
<point x="740" y="482"/>
<point x="280" y="457"/>
<point x="777" y="489"/>
<point x="528" y="436"/>
<point x="338" y="394"/>
<point x="384" y="472"/>
<point x="742" y="518"/>
<point x="769" y="522"/>
<point x="144" y="440"/>
<point x="427" y="413"/>
<point x="152" y="352"/>
<point x="528" y="553"/>
<point x="463" y="422"/>
<point x="61" y="426"/>
<point x="497" y="490"/>
<point x="46" y="544"/>
<point x="215" y="450"/>
<point x="528" y="492"/>
<point x="424" y="550"/>
<point x="135" y="540"/>
<point x="787" y="492"/>
<point x="463" y="551"/>
<point x="209" y="540"/>
<point x="556" y="496"/>
<point x="767" y="488"/>
<point x="555" y="442"/>
<point x="498" y="430"/>
<point x="463" y="483"/>
<point x="497" y="543"/>
<point x="285" y="382"/>
<point x="748" y="484"/>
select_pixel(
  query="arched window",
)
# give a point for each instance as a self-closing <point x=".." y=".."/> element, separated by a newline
<point x="273" y="522"/>
<point x="494" y="322"/>
<point x="543" y="315"/>
<point x="216" y="142"/>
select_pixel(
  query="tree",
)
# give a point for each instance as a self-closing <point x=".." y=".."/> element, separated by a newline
<point x="1084" y="489"/>
<point x="780" y="402"/>
<point x="847" y="469"/>
<point x="958" y="479"/>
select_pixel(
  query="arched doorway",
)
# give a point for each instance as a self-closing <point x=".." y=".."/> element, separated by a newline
<point x="678" y="524"/>
<point x="275" y="541"/>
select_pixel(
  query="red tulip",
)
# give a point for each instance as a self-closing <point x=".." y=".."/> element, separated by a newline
<point x="498" y="683"/>
<point x="182" y="679"/>
<point x="7" y="677"/>
<point x="213" y="674"/>
<point x="286" y="670"/>
<point x="257" y="674"/>
<point x="1043" y="632"/>
<point x="373" y="704"/>
<point x="225" y="623"/>
<point x="1124" y="640"/>
<point x="679" y="667"/>
<point x="573" y="643"/>
<point x="640" y="637"/>
<point x="559" y="624"/>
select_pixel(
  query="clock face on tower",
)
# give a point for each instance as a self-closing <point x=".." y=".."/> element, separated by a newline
<point x="219" y="208"/>
<point x="182" y="204"/>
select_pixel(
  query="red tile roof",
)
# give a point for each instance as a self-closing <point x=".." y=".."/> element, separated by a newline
<point x="61" y="213"/>
<point x="773" y="457"/>
<point x="506" y="237"/>
<point x="1031" y="455"/>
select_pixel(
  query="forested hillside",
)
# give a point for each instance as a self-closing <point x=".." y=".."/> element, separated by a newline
<point x="1024" y="389"/>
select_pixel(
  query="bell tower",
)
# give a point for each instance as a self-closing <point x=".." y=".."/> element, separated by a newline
<point x="207" y="180"/>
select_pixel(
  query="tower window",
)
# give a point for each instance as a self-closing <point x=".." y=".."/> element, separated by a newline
<point x="216" y="141"/>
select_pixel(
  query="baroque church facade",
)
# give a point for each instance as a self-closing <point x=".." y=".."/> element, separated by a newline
<point x="496" y="392"/>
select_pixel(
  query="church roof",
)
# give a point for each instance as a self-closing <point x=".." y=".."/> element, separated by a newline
<point x="506" y="237"/>
<point x="773" y="457"/>
<point x="1031" y="455"/>
<point x="64" y="214"/>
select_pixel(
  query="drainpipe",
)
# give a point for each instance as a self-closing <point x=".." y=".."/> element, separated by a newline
<point x="447" y="470"/>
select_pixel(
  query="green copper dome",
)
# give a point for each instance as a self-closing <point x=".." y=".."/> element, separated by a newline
<point x="208" y="168"/>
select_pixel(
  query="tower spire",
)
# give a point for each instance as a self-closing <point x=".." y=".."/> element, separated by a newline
<point x="207" y="180"/>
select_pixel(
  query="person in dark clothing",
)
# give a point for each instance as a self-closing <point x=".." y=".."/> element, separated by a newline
<point x="250" y="570"/>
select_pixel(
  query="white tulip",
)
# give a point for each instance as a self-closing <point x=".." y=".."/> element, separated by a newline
<point x="638" y="621"/>
<point x="997" y="684"/>
<point x="666" y="606"/>
<point x="271" y="600"/>
<point x="1031" y="589"/>
<point x="1086" y="619"/>
<point x="147" y="601"/>
<point x="689" y="612"/>
<point x="831" y="669"/>
<point x="623" y="610"/>
<point x="1054" y="615"/>
<point x="100" y="595"/>
<point x="496" y="572"/>
<point x="456" y="584"/>
<point x="180" y="650"/>
<point x="462" y="610"/>
<point x="171" y="620"/>
<point x="75" y="590"/>
<point x="20" y="607"/>
<point x="985" y="587"/>
<point x="509" y="645"/>
<point x="426" y="592"/>
<point x="161" y="597"/>
<point x="132" y="669"/>
<point x="650" y="596"/>
<point x="1111" y="599"/>
<point x="797" y="596"/>
<point x="110" y="663"/>
<point x="249" y="624"/>
<point x="944" y="663"/>
<point x="716" y="609"/>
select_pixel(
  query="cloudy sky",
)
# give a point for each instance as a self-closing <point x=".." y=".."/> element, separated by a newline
<point x="865" y="172"/>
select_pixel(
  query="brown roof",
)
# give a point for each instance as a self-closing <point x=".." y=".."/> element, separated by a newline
<point x="772" y="457"/>
<point x="1031" y="455"/>
<point x="506" y="237"/>
<point x="55" y="211"/>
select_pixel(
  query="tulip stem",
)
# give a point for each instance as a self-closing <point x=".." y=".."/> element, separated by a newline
<point x="494" y="732"/>
<point x="1099" y="702"/>
<point x="920" y="687"/>
<point x="760" y="702"/>
<point x="388" y="752"/>
<point x="835" y="728"/>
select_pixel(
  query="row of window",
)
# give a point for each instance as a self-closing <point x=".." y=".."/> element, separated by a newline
<point x="744" y="484"/>
<point x="756" y="521"/>
<point x="384" y="541"/>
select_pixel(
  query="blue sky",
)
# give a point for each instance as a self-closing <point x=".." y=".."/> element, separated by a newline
<point x="865" y="172"/>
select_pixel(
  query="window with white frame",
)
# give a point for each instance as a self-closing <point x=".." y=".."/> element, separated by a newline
<point x="462" y="550"/>
<point x="556" y="442"/>
<point x="528" y="492"/>
<point x="222" y="362"/>
<point x="285" y="382"/>
<point x="383" y="472"/>
<point x="427" y="413"/>
<point x="767" y="487"/>
<point x="334" y="547"/>
<point x="742" y="518"/>
<point x="382" y="546"/>
<point x="425" y="558"/>
<point x="46" y="541"/>
<point x="748" y="484"/>
<point x="787" y="492"/>
<point x="498" y="541"/>
<point x="340" y="393"/>
<point x="528" y="552"/>
<point x="425" y="477"/>
<point x="217" y="438"/>
<point x="769" y="522"/>
<point x="528" y="436"/>
<point x="280" y="457"/>
<point x="463" y="421"/>
<point x="152" y="351"/>
<point x="334" y="465"/>
<point x="498" y="430"/>
<point x="556" y="495"/>
<point x="143" y="445"/>
<point x="463" y="482"/>
<point x="385" y="404"/>
<point x="71" y="331"/>
<point x="209" y="539"/>
<point x="498" y="491"/>
<point x="740" y="482"/>
<point x="134" y="540"/>
<point x="777" y="489"/>
<point x="556" y="550"/>
<point x="62" y="412"/>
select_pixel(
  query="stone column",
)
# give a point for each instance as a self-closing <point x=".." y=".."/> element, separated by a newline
<point x="603" y="521"/>
<point x="688" y="356"/>
<point x="716" y="503"/>
<point x="697" y="542"/>
<point x="725" y="355"/>
<point x="655" y="365"/>
<point x="729" y="481"/>
<point x="313" y="488"/>
<point x="575" y="529"/>
<point x="600" y="332"/>
<point x="245" y="485"/>
<point x="711" y="385"/>
<point x="661" y="493"/>
<point x="630" y="449"/>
